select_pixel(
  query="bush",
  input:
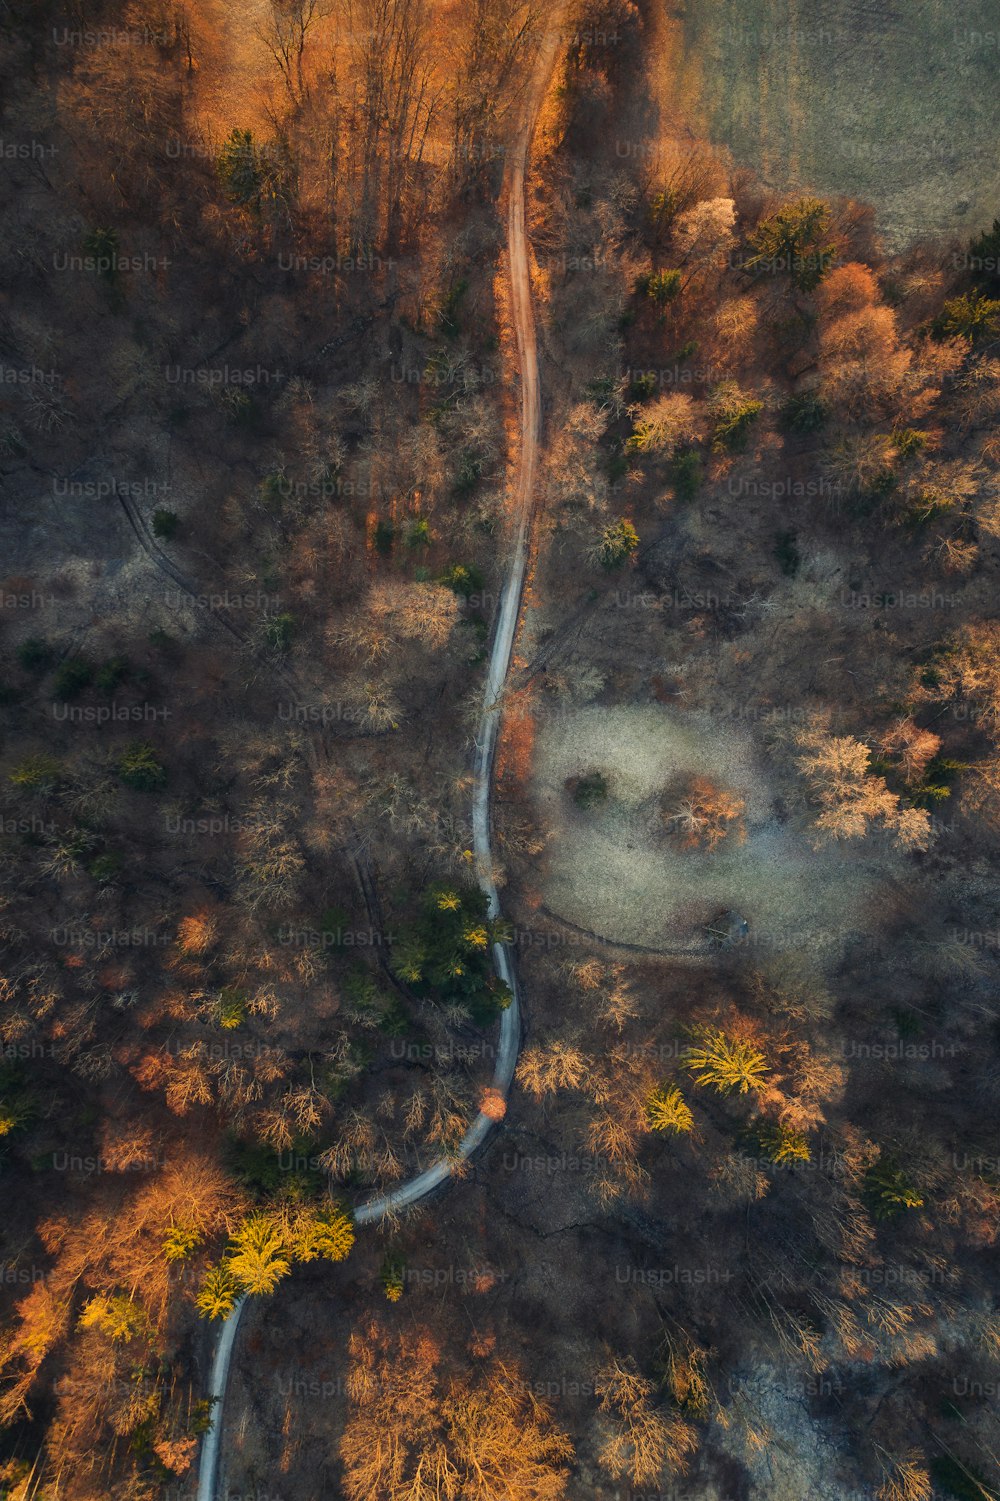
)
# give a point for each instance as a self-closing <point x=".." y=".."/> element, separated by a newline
<point x="686" y="475"/>
<point x="590" y="790"/>
<point x="102" y="245"/>
<point x="140" y="770"/>
<point x="110" y="674"/>
<point x="38" y="773"/>
<point x="72" y="676"/>
<point x="463" y="579"/>
<point x="278" y="632"/>
<point x="787" y="554"/>
<point x="660" y="287"/>
<point x="165" y="523"/>
<point x="804" y="412"/>
<point x="984" y="259"/>
<point x="35" y="655"/>
<point x="448" y="316"/>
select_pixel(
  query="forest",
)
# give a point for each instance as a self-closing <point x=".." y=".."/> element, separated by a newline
<point x="735" y="1232"/>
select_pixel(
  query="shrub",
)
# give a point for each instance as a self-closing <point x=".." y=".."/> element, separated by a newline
<point x="590" y="790"/>
<point x="805" y="412"/>
<point x="984" y="258"/>
<point x="35" y="655"/>
<point x="72" y="676"/>
<point x="37" y="773"/>
<point x="165" y="523"/>
<point x="278" y="632"/>
<point x="463" y="579"/>
<point x="103" y="245"/>
<point x="140" y="770"/>
<point x="110" y="674"/>
<point x="686" y="475"/>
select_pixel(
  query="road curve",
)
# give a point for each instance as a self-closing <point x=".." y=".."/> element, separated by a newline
<point x="523" y="317"/>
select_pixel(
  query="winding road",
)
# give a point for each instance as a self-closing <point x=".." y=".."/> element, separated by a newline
<point x="485" y="745"/>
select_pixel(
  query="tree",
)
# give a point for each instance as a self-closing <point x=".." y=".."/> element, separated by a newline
<point x="285" y="31"/>
<point x="392" y="105"/>
<point x="118" y="1316"/>
<point x="794" y="242"/>
<point x="705" y="233"/>
<point x="706" y="815"/>
<point x="139" y="768"/>
<point x="640" y="1440"/>
<point x="546" y="1068"/>
<point x="971" y="316"/>
<point x="667" y="1110"/>
<point x="889" y="1190"/>
<point x="726" y="1063"/>
<point x="862" y="365"/>
<point x="851" y="798"/>
<point x="257" y="1256"/>
<point x="416" y="1431"/>
<point x="904" y="1479"/>
<point x="218" y="1293"/>
<point x="490" y="45"/>
<point x="671" y="422"/>
<point x="912" y="748"/>
<point x="847" y="289"/>
<point x="618" y="542"/>
<point x="734" y="412"/>
<point x="326" y="1232"/>
<point x="781" y="1144"/>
